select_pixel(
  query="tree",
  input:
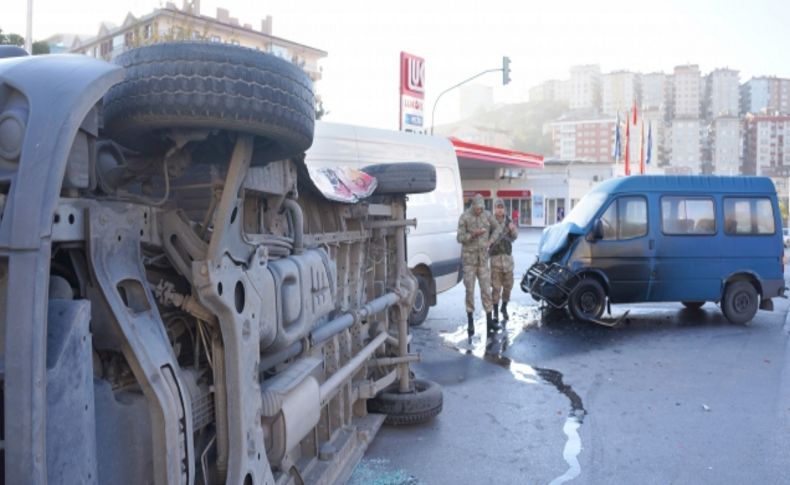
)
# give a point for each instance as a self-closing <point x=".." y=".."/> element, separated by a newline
<point x="40" y="47"/>
<point x="11" y="39"/>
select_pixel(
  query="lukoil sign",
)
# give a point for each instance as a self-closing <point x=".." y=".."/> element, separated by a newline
<point x="412" y="92"/>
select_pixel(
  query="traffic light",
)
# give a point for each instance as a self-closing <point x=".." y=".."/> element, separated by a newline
<point x="505" y="70"/>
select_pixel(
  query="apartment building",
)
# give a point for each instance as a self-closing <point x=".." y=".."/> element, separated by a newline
<point x="619" y="90"/>
<point x="654" y="91"/>
<point x="723" y="96"/>
<point x="725" y="145"/>
<point x="766" y="148"/>
<point x="585" y="87"/>
<point x="766" y="95"/>
<point x="686" y="144"/>
<point x="588" y="139"/>
<point x="687" y="84"/>
<point x="188" y="23"/>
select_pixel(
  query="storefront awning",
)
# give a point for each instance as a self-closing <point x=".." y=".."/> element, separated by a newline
<point x="472" y="155"/>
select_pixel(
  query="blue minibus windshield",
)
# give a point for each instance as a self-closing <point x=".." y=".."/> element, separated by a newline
<point x="586" y="208"/>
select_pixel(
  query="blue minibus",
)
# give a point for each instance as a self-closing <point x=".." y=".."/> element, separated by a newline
<point x="692" y="239"/>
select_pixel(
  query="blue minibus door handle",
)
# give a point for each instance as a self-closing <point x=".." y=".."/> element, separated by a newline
<point x="652" y="244"/>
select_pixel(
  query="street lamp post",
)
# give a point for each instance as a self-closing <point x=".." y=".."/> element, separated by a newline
<point x="29" y="31"/>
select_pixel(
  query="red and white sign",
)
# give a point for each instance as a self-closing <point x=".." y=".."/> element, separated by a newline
<point x="412" y="92"/>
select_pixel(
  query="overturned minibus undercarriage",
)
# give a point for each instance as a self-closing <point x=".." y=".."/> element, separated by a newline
<point x="180" y="301"/>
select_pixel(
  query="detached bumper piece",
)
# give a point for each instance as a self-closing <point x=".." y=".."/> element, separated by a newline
<point x="549" y="282"/>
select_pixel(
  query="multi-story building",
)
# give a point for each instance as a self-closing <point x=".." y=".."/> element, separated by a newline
<point x="654" y="91"/>
<point x="687" y="89"/>
<point x="754" y="95"/>
<point x="474" y="99"/>
<point x="619" y="91"/>
<point x="686" y="144"/>
<point x="766" y="149"/>
<point x="725" y="145"/>
<point x="187" y="23"/>
<point x="588" y="139"/>
<point x="723" y="97"/>
<point x="766" y="95"/>
<point x="585" y="87"/>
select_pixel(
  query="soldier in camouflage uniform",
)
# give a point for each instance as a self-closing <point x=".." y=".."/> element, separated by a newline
<point x="502" y="260"/>
<point x="477" y="229"/>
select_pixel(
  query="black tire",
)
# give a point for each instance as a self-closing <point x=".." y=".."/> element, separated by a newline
<point x="423" y="403"/>
<point x="740" y="302"/>
<point x="693" y="305"/>
<point x="587" y="301"/>
<point x="210" y="86"/>
<point x="403" y="177"/>
<point x="419" y="312"/>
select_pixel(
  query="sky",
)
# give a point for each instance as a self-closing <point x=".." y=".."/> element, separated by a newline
<point x="459" y="38"/>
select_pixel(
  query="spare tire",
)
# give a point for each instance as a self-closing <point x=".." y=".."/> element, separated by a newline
<point x="421" y="404"/>
<point x="195" y="85"/>
<point x="403" y="177"/>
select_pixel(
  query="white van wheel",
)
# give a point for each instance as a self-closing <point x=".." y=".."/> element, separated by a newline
<point x="419" y="312"/>
<point x="403" y="178"/>
<point x="740" y="302"/>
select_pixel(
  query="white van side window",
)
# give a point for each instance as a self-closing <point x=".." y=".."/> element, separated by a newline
<point x="753" y="215"/>
<point x="687" y="215"/>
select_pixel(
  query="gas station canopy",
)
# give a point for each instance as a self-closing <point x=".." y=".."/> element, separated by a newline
<point x="498" y="162"/>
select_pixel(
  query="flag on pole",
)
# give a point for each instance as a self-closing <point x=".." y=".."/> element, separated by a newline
<point x="642" y="150"/>
<point x="616" y="154"/>
<point x="634" y="109"/>
<point x="627" y="145"/>
<point x="649" y="142"/>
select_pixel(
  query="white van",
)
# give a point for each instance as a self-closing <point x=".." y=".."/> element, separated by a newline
<point x="433" y="252"/>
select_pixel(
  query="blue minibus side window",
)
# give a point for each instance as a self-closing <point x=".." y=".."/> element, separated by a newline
<point x="687" y="216"/>
<point x="748" y="215"/>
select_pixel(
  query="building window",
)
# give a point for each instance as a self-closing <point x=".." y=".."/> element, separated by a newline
<point x="215" y="38"/>
<point x="148" y="31"/>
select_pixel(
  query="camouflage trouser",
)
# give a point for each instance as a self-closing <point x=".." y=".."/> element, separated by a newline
<point x="501" y="277"/>
<point x="477" y="267"/>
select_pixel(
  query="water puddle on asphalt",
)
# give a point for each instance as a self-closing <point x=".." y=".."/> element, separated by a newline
<point x="492" y="349"/>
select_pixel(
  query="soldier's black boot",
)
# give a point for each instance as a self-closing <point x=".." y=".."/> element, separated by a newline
<point x="496" y="314"/>
<point x="470" y="325"/>
<point x="491" y="326"/>
<point x="505" y="316"/>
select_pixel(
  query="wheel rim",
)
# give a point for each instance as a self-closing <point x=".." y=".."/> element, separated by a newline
<point x="588" y="303"/>
<point x="419" y="302"/>
<point x="741" y="302"/>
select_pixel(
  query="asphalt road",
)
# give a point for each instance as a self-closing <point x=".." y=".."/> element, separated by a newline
<point x="670" y="396"/>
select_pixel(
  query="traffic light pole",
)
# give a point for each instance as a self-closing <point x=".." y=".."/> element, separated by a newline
<point x="505" y="70"/>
